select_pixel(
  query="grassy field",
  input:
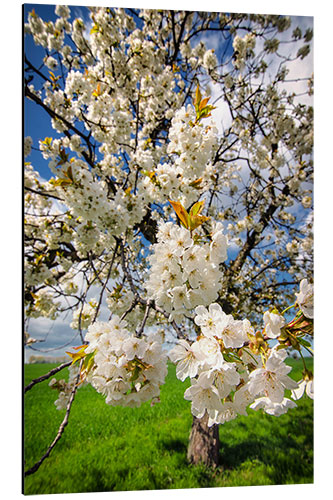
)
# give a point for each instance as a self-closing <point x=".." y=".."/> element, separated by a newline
<point x="108" y="448"/>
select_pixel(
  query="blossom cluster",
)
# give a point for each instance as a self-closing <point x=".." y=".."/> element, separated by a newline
<point x="227" y="374"/>
<point x="128" y="370"/>
<point x="191" y="150"/>
<point x="185" y="273"/>
<point x="242" y="48"/>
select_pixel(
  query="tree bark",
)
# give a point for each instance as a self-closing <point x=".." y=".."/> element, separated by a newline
<point x="204" y="443"/>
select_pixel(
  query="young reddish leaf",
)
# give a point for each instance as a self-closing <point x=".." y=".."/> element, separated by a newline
<point x="196" y="184"/>
<point x="197" y="98"/>
<point x="97" y="92"/>
<point x="181" y="213"/>
<point x="83" y="346"/>
<point x="203" y="103"/>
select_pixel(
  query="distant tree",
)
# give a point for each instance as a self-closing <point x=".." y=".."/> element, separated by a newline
<point x="193" y="232"/>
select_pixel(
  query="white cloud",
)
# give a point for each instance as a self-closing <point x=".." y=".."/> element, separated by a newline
<point x="56" y="337"/>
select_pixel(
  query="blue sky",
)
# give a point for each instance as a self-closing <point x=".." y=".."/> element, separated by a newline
<point x="37" y="122"/>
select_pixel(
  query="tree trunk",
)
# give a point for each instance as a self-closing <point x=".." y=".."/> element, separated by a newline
<point x="204" y="443"/>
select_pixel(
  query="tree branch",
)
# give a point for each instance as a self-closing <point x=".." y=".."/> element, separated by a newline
<point x="63" y="424"/>
<point x="46" y="376"/>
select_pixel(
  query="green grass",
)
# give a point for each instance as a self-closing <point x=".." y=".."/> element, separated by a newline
<point x="108" y="448"/>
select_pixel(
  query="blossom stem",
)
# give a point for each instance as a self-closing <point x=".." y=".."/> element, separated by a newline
<point x="287" y="309"/>
<point x="303" y="360"/>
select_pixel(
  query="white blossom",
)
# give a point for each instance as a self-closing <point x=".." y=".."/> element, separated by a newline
<point x="273" y="324"/>
<point x="186" y="359"/>
<point x="305" y="298"/>
<point x="203" y="394"/>
<point x="273" y="408"/>
<point x="272" y="380"/>
<point x="306" y="386"/>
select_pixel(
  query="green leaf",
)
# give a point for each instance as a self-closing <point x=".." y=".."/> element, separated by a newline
<point x="197" y="207"/>
<point x="89" y="361"/>
<point x="76" y="356"/>
<point x="304" y="342"/>
<point x="47" y="141"/>
<point x="94" y="29"/>
<point x="60" y="182"/>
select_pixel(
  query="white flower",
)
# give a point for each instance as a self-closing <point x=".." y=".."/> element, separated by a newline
<point x="128" y="370"/>
<point x="116" y="387"/>
<point x="209" y="59"/>
<point x="273" y="379"/>
<point x="164" y="231"/>
<point x="207" y="350"/>
<point x="225" y="379"/>
<point x="186" y="359"/>
<point x="194" y="278"/>
<point x="303" y="385"/>
<point x="62" y="401"/>
<point x="27" y="146"/>
<point x="211" y="321"/>
<point x="134" y="347"/>
<point x="180" y="240"/>
<point x="62" y="11"/>
<point x="210" y="285"/>
<point x="305" y="298"/>
<point x="203" y="395"/>
<point x="194" y="258"/>
<point x="234" y="333"/>
<point x="180" y="297"/>
<point x="83" y="316"/>
<point x="227" y="412"/>
<point x="218" y="248"/>
<point x="51" y="62"/>
<point x="273" y="324"/>
<point x="145" y="392"/>
<point x="271" y="408"/>
<point x="242" y="398"/>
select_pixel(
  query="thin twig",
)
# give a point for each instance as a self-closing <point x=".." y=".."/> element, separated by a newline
<point x="145" y="317"/>
<point x="47" y="195"/>
<point x="63" y="424"/>
<point x="180" y="334"/>
<point x="106" y="281"/>
<point x="46" y="376"/>
<point x="130" y="309"/>
<point x="126" y="271"/>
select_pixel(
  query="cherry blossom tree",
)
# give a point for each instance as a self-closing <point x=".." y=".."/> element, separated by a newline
<point x="181" y="197"/>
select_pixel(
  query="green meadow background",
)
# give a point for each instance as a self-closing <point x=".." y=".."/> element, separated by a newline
<point x="107" y="448"/>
